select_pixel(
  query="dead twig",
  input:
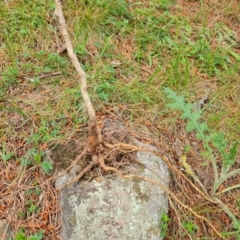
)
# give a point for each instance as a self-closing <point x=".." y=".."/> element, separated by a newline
<point x="31" y="79"/>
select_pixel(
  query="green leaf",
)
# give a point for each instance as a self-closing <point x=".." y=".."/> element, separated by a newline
<point x="234" y="54"/>
<point x="164" y="221"/>
<point x="190" y="126"/>
<point x="7" y="156"/>
<point x="37" y="158"/>
<point x="218" y="141"/>
<point x="32" y="208"/>
<point x="179" y="100"/>
<point x="193" y="117"/>
<point x="203" y="126"/>
<point x="236" y="225"/>
<point x="229" y="158"/>
<point x="37" y="236"/>
<point x="4" y="154"/>
<point x="190" y="227"/>
<point x="20" y="235"/>
<point x="25" y="161"/>
<point x="165" y="218"/>
<point x="46" y="167"/>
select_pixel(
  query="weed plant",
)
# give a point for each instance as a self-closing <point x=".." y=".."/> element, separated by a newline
<point x="213" y="143"/>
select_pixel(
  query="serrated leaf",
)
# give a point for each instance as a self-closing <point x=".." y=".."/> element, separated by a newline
<point x="187" y="110"/>
<point x="46" y="167"/>
<point x="179" y="101"/>
<point x="20" y="236"/>
<point x="196" y="115"/>
<point x="178" y="104"/>
<point x="233" y="150"/>
<point x="170" y="92"/>
<point x="218" y="141"/>
<point x="174" y="106"/>
<point x="199" y="136"/>
<point x="229" y="158"/>
<point x="203" y="126"/>
<point x="208" y="138"/>
<point x="190" y="126"/>
<point x="188" y="113"/>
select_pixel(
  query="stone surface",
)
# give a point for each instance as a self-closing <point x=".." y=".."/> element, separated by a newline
<point x="116" y="208"/>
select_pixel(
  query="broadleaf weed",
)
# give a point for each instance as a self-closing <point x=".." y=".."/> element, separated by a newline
<point x="216" y="140"/>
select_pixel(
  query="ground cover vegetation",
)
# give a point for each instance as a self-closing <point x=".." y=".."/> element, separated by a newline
<point x="137" y="56"/>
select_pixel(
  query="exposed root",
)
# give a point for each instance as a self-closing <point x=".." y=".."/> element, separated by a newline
<point x="93" y="163"/>
<point x="107" y="157"/>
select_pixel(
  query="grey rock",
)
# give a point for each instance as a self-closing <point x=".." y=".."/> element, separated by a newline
<point x="117" y="208"/>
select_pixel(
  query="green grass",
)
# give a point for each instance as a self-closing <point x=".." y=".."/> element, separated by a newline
<point x="157" y="43"/>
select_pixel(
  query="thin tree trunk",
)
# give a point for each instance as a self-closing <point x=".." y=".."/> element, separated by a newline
<point x="93" y="133"/>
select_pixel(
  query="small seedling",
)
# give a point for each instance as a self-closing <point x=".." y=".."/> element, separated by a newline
<point x="164" y="222"/>
<point x="20" y="235"/>
<point x="32" y="208"/>
<point x="38" y="191"/>
<point x="190" y="227"/>
<point x="5" y="156"/>
<point x="46" y="167"/>
<point x="186" y="149"/>
<point x="21" y="214"/>
<point x="35" y="157"/>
